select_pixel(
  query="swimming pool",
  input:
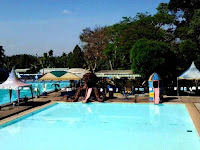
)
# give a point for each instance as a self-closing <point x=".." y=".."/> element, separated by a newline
<point x="4" y="95"/>
<point x="102" y="126"/>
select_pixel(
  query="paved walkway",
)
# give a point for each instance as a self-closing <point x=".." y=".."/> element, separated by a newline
<point x="10" y="110"/>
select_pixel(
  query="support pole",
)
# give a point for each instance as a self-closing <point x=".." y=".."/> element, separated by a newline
<point x="18" y="95"/>
<point x="10" y="94"/>
<point x="177" y="88"/>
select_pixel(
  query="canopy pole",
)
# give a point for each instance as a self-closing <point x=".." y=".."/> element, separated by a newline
<point x="196" y="82"/>
<point x="31" y="88"/>
<point x="18" y="95"/>
<point x="10" y="94"/>
<point x="177" y="88"/>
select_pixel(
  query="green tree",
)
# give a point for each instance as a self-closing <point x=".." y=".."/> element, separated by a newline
<point x="123" y="35"/>
<point x="148" y="56"/>
<point x="2" y="56"/>
<point x="77" y="60"/>
<point x="183" y="10"/>
<point x="194" y="27"/>
<point x="70" y="60"/>
<point x="20" y="61"/>
<point x="50" y="53"/>
<point x="187" y="54"/>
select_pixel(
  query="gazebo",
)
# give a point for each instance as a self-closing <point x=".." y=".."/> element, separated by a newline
<point x="191" y="74"/>
<point x="13" y="83"/>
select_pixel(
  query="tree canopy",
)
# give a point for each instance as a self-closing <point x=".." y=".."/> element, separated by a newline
<point x="165" y="42"/>
<point x="2" y="55"/>
<point x="150" y="56"/>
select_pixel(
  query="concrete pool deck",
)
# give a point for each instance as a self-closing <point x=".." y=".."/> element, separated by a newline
<point x="192" y="104"/>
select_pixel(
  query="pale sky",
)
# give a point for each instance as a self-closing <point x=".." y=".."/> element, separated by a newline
<point x="36" y="26"/>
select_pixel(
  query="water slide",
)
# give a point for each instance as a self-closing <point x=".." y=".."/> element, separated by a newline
<point x="156" y="95"/>
<point x="88" y="93"/>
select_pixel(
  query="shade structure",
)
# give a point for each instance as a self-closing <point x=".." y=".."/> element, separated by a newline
<point x="58" y="73"/>
<point x="70" y="76"/>
<point x="49" y="76"/>
<point x="191" y="74"/>
<point x="155" y="77"/>
<point x="13" y="83"/>
<point x="79" y="71"/>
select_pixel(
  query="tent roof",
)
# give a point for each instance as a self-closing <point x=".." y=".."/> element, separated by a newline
<point x="58" y="73"/>
<point x="13" y="82"/>
<point x="154" y="77"/>
<point x="49" y="76"/>
<point x="191" y="74"/>
<point x="69" y="76"/>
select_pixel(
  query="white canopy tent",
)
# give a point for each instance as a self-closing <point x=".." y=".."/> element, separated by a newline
<point x="13" y="83"/>
<point x="191" y="74"/>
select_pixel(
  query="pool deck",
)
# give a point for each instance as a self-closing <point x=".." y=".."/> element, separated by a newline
<point x="9" y="112"/>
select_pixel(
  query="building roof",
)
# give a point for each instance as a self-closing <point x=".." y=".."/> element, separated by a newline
<point x="46" y="70"/>
<point x="78" y="71"/>
<point x="117" y="73"/>
<point x="22" y="70"/>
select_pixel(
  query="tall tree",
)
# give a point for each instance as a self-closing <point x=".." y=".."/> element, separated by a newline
<point x="78" y="60"/>
<point x="183" y="10"/>
<point x="50" y="53"/>
<point x="187" y="53"/>
<point x="2" y="56"/>
<point x="150" y="56"/>
<point x="123" y="35"/>
<point x="94" y="42"/>
<point x="70" y="60"/>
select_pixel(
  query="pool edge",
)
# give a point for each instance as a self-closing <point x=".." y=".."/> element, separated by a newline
<point x="194" y="115"/>
<point x="25" y="113"/>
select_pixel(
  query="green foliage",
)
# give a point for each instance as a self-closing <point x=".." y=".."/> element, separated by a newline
<point x="20" y="61"/>
<point x="2" y="56"/>
<point x="194" y="27"/>
<point x="183" y="9"/>
<point x="50" y="53"/>
<point x="127" y="32"/>
<point x="77" y="59"/>
<point x="150" y="56"/>
<point x="187" y="53"/>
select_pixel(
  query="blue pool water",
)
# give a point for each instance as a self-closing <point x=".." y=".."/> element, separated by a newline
<point x="102" y="126"/>
<point x="4" y="95"/>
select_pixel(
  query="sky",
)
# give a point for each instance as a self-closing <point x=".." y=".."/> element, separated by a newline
<point x="36" y="26"/>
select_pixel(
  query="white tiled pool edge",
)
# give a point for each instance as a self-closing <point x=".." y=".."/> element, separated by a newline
<point x="25" y="113"/>
<point x="195" y="116"/>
